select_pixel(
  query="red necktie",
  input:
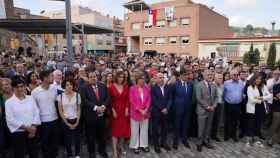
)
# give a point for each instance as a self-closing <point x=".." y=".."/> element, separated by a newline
<point x="96" y="93"/>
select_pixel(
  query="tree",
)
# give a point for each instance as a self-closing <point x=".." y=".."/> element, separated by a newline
<point x="258" y="56"/>
<point x="271" y="56"/>
<point x="252" y="56"/>
<point x="246" y="58"/>
<point x="249" y="29"/>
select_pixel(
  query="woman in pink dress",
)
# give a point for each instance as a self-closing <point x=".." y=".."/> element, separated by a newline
<point x="120" y="109"/>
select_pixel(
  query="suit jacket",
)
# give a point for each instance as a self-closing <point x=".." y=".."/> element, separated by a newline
<point x="204" y="98"/>
<point x="137" y="104"/>
<point x="181" y="99"/>
<point x="160" y="101"/>
<point x="89" y="100"/>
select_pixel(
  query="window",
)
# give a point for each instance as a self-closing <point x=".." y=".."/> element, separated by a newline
<point x="185" y="40"/>
<point x="160" y="40"/>
<point x="173" y="23"/>
<point x="99" y="42"/>
<point x="136" y="26"/>
<point x="185" y="21"/>
<point x="148" y="41"/>
<point x="108" y="43"/>
<point x="172" y="40"/>
<point x="161" y="23"/>
<point x="147" y="25"/>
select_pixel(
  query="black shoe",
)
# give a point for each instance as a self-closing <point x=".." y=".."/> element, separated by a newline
<point x="199" y="148"/>
<point x="136" y="151"/>
<point x="208" y="145"/>
<point x="241" y="135"/>
<point x="216" y="139"/>
<point x="104" y="155"/>
<point x="91" y="155"/>
<point x="186" y="144"/>
<point x="166" y="147"/>
<point x="262" y="137"/>
<point x="175" y="146"/>
<point x="235" y="139"/>
<point x="157" y="150"/>
<point x="226" y="139"/>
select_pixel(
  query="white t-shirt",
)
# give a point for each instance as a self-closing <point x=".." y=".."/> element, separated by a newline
<point x="45" y="100"/>
<point x="69" y="105"/>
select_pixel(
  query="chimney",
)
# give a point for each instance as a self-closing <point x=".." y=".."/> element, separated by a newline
<point x="273" y="23"/>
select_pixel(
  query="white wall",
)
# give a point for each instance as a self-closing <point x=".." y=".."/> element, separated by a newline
<point x="205" y="50"/>
<point x="2" y="10"/>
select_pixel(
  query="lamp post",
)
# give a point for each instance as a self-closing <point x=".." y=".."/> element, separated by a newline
<point x="70" y="54"/>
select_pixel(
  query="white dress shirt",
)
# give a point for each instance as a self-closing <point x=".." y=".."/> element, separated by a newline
<point x="57" y="86"/>
<point x="45" y="100"/>
<point x="21" y="112"/>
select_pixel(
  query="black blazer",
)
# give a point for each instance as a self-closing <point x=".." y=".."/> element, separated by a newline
<point x="159" y="101"/>
<point x="89" y="100"/>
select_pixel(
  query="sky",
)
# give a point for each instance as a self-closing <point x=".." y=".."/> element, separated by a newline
<point x="240" y="12"/>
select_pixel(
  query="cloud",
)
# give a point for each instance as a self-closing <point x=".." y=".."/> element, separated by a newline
<point x="242" y="21"/>
<point x="241" y="4"/>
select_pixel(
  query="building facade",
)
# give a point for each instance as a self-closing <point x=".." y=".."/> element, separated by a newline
<point x="98" y="44"/>
<point x="179" y="26"/>
<point x="235" y="48"/>
<point x="119" y="38"/>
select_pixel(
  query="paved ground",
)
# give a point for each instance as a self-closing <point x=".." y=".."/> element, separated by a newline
<point x="223" y="150"/>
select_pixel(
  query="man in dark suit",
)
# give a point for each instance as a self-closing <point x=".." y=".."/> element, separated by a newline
<point x="95" y="98"/>
<point x="182" y="92"/>
<point x="207" y="99"/>
<point x="161" y="103"/>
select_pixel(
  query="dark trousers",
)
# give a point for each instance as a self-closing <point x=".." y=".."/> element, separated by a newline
<point x="21" y="145"/>
<point x="255" y="121"/>
<point x="243" y="119"/>
<point x="216" y="120"/>
<point x="49" y="138"/>
<point x="72" y="137"/>
<point x="182" y="123"/>
<point x="260" y="117"/>
<point x="2" y="139"/>
<point x="232" y="116"/>
<point x="160" y="127"/>
<point x="96" y="132"/>
<point x="275" y="127"/>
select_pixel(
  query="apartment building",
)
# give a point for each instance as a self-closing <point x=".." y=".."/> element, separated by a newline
<point x="99" y="44"/>
<point x="178" y="26"/>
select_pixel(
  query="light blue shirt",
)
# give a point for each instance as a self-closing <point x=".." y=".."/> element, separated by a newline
<point x="233" y="91"/>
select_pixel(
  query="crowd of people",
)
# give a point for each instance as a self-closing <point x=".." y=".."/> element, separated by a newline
<point x="134" y="100"/>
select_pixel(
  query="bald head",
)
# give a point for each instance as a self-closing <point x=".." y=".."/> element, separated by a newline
<point x="57" y="76"/>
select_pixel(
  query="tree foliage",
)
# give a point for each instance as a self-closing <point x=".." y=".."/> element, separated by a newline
<point x="271" y="56"/>
<point x="252" y="56"/>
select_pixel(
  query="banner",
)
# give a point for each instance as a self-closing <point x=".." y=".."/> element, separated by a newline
<point x="152" y="15"/>
<point x="169" y="13"/>
<point x="2" y="10"/>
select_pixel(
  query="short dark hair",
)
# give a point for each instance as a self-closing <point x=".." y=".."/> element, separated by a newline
<point x="16" y="80"/>
<point x="73" y="83"/>
<point x="43" y="74"/>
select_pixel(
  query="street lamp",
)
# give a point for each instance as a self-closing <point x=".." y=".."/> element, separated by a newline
<point x="70" y="56"/>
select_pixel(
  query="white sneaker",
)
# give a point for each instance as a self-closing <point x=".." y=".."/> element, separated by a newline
<point x="259" y="144"/>
<point x="77" y="156"/>
<point x="248" y="145"/>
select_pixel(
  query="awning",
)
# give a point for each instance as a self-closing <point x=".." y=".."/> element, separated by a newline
<point x="136" y="5"/>
<point x="48" y="26"/>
